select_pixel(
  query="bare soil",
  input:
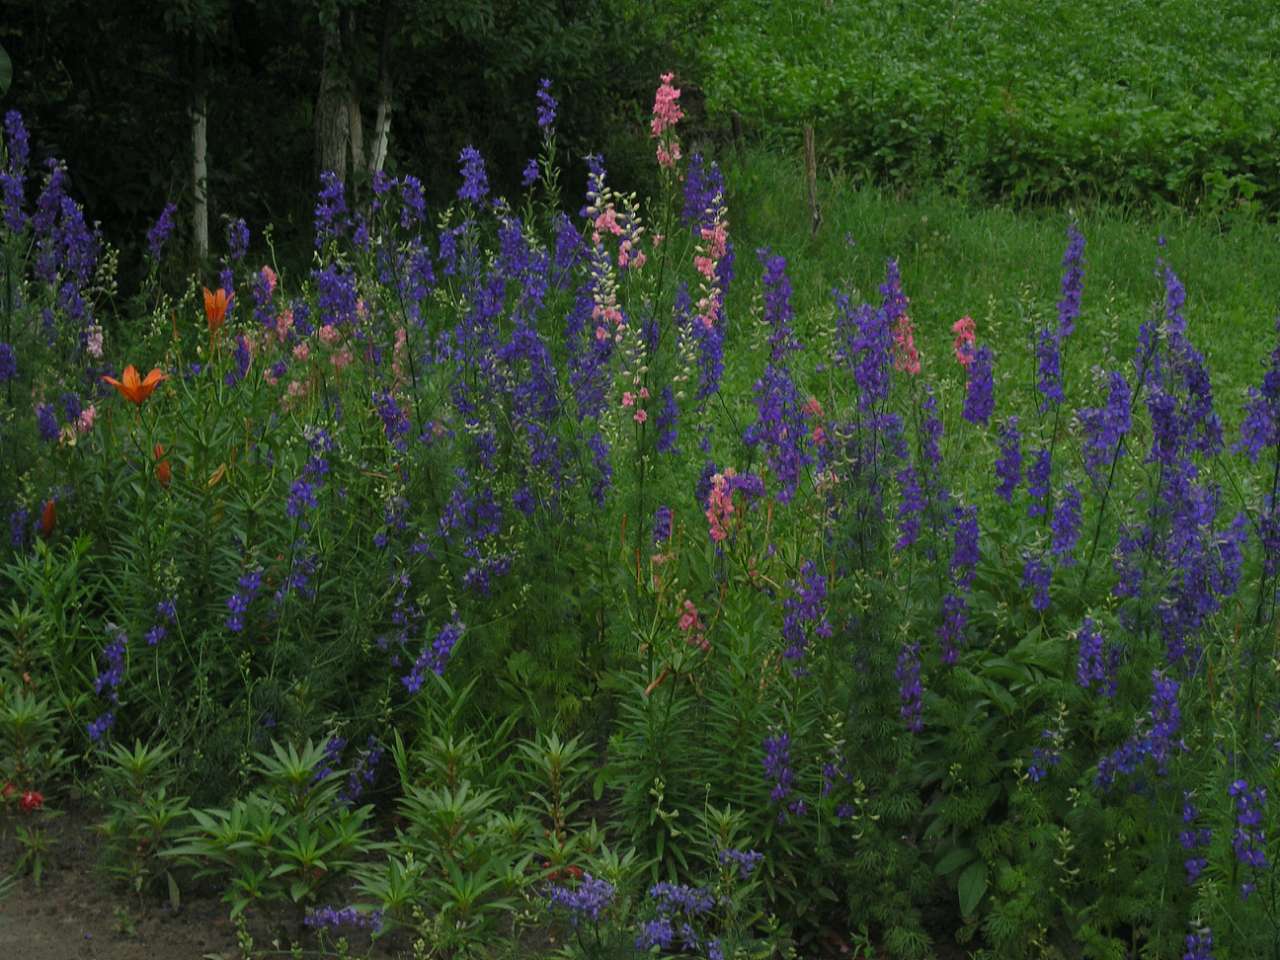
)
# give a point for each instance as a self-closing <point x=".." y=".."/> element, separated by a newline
<point x="79" y="913"/>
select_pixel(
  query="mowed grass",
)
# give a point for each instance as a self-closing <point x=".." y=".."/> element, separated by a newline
<point x="1003" y="267"/>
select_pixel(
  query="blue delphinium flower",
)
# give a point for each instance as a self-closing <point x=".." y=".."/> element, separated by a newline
<point x="1249" y="840"/>
<point x="46" y="422"/>
<point x="657" y="932"/>
<point x="1072" y="282"/>
<point x="237" y="239"/>
<point x="395" y="421"/>
<point x="331" y="218"/>
<point x="1047" y="755"/>
<point x="910" y="509"/>
<point x="546" y="105"/>
<point x="1156" y="739"/>
<point x="1199" y="944"/>
<point x="336" y="295"/>
<point x="910" y="689"/>
<point x="8" y="363"/>
<point x="1193" y="839"/>
<point x="777" y="767"/>
<point x="413" y="202"/>
<point x="331" y="758"/>
<point x="1093" y="665"/>
<point x="955" y="616"/>
<point x="780" y="424"/>
<point x="529" y="176"/>
<point x="1036" y="576"/>
<point x="1065" y="527"/>
<point x="1106" y="427"/>
<point x="966" y="551"/>
<point x="434" y="657"/>
<point x="332" y="918"/>
<point x="979" y="397"/>
<point x="475" y="182"/>
<point x="804" y="612"/>
<point x="1009" y="463"/>
<point x="19" y="522"/>
<point x="1038" y="478"/>
<point x="604" y="469"/>
<point x="1049" y="368"/>
<point x="586" y="901"/>
<point x="238" y="603"/>
<point x="745" y="860"/>
<point x="662" y="524"/>
<point x="363" y="773"/>
<point x="160" y="231"/>
<point x="13" y="175"/>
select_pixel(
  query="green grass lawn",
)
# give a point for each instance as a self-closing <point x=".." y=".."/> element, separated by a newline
<point x="1004" y="267"/>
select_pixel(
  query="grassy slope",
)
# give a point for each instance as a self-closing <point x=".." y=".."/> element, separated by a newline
<point x="1003" y="268"/>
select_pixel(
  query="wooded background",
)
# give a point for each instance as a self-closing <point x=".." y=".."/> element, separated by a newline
<point x="287" y="88"/>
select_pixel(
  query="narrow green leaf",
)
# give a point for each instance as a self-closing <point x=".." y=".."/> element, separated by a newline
<point x="971" y="886"/>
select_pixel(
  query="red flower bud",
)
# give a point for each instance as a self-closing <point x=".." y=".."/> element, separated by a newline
<point x="48" y="518"/>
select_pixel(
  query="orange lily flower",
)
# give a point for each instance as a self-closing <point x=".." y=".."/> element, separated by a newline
<point x="215" y="308"/>
<point x="134" y="388"/>
<point x="164" y="471"/>
<point x="48" y="518"/>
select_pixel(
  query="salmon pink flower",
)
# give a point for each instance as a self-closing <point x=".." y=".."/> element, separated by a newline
<point x="134" y="388"/>
<point x="31" y="801"/>
<point x="691" y="623"/>
<point x="640" y="416"/>
<point x="666" y="106"/>
<point x="906" y="358"/>
<point x="269" y="276"/>
<point x="720" y="504"/>
<point x="666" y="114"/>
<point x="964" y="342"/>
<point x="84" y="422"/>
<point x="284" y="323"/>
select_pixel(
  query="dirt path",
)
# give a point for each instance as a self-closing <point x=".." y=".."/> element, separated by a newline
<point x="79" y="914"/>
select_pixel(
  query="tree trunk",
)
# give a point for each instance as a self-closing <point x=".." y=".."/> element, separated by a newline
<point x="355" y="126"/>
<point x="333" y="114"/>
<point x="199" y="158"/>
<point x="382" y="124"/>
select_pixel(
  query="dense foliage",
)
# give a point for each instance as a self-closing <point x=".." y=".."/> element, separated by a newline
<point x="508" y="571"/>
<point x="1122" y="99"/>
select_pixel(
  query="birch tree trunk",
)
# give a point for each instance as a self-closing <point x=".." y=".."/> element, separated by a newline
<point x="199" y="158"/>
<point x="382" y="123"/>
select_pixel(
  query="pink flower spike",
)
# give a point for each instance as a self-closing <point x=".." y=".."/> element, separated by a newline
<point x="666" y="106"/>
<point x="965" y="338"/>
<point x="269" y="276"/>
<point x="628" y="399"/>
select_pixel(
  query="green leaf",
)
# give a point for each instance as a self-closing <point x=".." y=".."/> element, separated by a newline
<point x="6" y="72"/>
<point x="954" y="860"/>
<point x="971" y="886"/>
